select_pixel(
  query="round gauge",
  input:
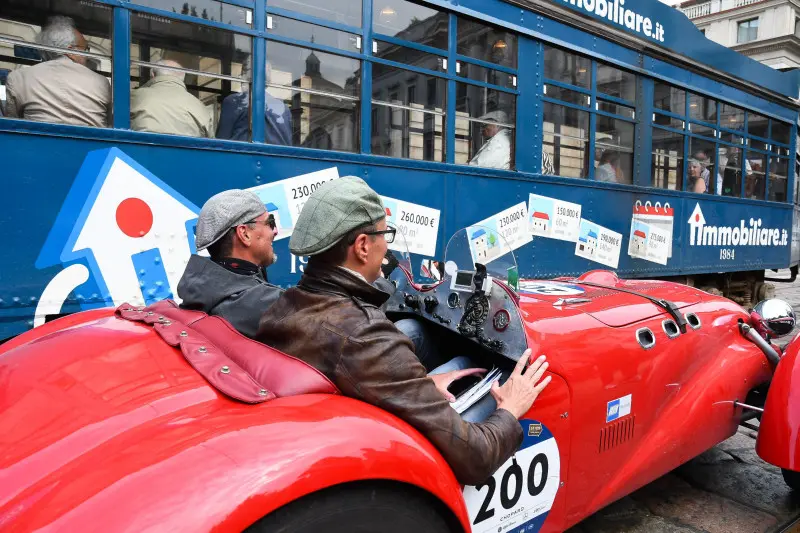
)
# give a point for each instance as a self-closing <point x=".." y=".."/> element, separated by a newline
<point x="476" y="310"/>
<point x="454" y="300"/>
<point x="501" y="320"/>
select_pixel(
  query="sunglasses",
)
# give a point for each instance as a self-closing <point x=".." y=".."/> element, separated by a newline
<point x="269" y="222"/>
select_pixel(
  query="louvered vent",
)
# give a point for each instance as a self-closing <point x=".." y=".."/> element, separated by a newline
<point x="616" y="433"/>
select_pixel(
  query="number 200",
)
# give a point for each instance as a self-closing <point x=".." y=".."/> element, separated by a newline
<point x="510" y="500"/>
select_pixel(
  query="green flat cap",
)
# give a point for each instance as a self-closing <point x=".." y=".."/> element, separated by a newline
<point x="336" y="208"/>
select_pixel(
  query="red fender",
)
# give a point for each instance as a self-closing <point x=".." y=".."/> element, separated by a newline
<point x="779" y="432"/>
<point x="108" y="428"/>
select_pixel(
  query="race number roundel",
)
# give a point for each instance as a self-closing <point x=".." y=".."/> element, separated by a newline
<point x="549" y="288"/>
<point x="518" y="497"/>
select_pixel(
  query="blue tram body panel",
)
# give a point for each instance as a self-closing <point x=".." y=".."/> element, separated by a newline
<point x="85" y="245"/>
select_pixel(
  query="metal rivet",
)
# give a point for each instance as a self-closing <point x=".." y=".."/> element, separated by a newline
<point x="262" y="392"/>
<point x="184" y="334"/>
<point x="150" y="313"/>
<point x="564" y="415"/>
<point x="202" y="349"/>
<point x="167" y="323"/>
<point x="225" y="370"/>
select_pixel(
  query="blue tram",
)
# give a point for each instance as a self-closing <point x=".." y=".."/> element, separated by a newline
<point x="583" y="134"/>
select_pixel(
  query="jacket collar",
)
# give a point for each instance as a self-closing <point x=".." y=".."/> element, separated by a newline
<point x="239" y="266"/>
<point x="324" y="278"/>
<point x="164" y="80"/>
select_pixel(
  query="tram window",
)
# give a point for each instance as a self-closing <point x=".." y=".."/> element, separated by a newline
<point x="755" y="182"/>
<point x="667" y="169"/>
<point x="616" y="109"/>
<point x="205" y="9"/>
<point x="63" y="44"/>
<point x="341" y="11"/>
<point x="303" y="31"/>
<point x="757" y="125"/>
<point x="778" y="178"/>
<point x="487" y="43"/>
<point x="408" y="114"/>
<point x="567" y="95"/>
<point x="781" y="132"/>
<point x="410" y="22"/>
<point x="486" y="75"/>
<point x="615" y="82"/>
<point x="730" y="138"/>
<point x="566" y="139"/>
<point x="702" y="108"/>
<point x="568" y="68"/>
<point x="409" y="56"/>
<point x="669" y="121"/>
<point x="669" y="98"/>
<point x="701" y="170"/>
<point x="181" y="73"/>
<point x="730" y="161"/>
<point x="485" y="127"/>
<point x="731" y="117"/>
<point x="613" y="157"/>
<point x="321" y="92"/>
<point x="702" y="129"/>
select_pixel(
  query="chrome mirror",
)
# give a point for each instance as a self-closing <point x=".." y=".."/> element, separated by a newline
<point x="778" y="316"/>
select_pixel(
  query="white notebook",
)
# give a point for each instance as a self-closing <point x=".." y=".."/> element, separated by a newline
<point x="468" y="398"/>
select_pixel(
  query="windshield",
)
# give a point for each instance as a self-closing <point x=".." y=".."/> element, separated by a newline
<point x="478" y="249"/>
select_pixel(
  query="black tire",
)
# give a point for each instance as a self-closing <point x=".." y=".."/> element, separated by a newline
<point x="792" y="479"/>
<point x="357" y="509"/>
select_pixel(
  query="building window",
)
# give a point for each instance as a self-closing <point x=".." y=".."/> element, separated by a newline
<point x="797" y="27"/>
<point x="747" y="31"/>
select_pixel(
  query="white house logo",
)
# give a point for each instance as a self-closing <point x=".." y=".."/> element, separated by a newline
<point x="747" y="233"/>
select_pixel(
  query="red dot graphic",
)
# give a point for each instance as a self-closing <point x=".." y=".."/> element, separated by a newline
<point x="134" y="217"/>
<point x="697" y="217"/>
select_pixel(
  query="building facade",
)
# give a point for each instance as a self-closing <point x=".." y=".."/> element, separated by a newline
<point x="765" y="30"/>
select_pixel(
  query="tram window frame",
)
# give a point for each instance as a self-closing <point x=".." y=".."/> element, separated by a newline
<point x="41" y="53"/>
<point x="597" y="104"/>
<point x="226" y="80"/>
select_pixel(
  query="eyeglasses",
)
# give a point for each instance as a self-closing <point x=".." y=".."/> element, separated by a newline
<point x="388" y="234"/>
<point x="269" y="222"/>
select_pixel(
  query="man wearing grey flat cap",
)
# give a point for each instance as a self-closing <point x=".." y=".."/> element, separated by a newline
<point x="236" y="229"/>
<point x="332" y="320"/>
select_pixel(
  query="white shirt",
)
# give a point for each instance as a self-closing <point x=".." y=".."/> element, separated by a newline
<point x="495" y="153"/>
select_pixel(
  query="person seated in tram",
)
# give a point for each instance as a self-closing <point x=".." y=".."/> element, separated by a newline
<point x="608" y="169"/>
<point x="703" y="157"/>
<point x="496" y="150"/>
<point x="163" y="105"/>
<point x="234" y="118"/>
<point x="332" y="320"/>
<point x="238" y="232"/>
<point x="696" y="181"/>
<point x="61" y="89"/>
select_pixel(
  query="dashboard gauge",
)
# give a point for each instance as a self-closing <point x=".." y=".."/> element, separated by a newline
<point x="501" y="320"/>
<point x="476" y="310"/>
<point x="454" y="300"/>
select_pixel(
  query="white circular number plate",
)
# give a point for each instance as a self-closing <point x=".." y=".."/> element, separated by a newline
<point x="518" y="497"/>
<point x="549" y="288"/>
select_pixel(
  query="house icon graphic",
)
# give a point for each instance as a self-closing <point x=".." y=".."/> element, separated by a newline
<point x="638" y="244"/>
<point x="591" y="243"/>
<point x="480" y="244"/>
<point x="123" y="228"/>
<point x="696" y="223"/>
<point x="540" y="221"/>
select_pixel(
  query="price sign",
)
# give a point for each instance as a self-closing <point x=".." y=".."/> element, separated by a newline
<point x="512" y="225"/>
<point x="518" y="497"/>
<point x="418" y="224"/>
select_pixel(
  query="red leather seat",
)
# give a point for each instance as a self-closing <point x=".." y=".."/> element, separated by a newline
<point x="236" y="365"/>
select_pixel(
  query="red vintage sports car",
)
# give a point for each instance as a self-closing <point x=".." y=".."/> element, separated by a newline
<point x="160" y="419"/>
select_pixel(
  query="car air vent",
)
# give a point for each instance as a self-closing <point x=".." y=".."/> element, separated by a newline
<point x="616" y="433"/>
<point x="693" y="320"/>
<point x="670" y="328"/>
<point x="646" y="338"/>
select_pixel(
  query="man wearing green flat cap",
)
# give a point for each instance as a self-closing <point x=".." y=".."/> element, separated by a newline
<point x="332" y="320"/>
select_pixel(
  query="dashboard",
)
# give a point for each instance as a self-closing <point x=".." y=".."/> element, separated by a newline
<point x="470" y="304"/>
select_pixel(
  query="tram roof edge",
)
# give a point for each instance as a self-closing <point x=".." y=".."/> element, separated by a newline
<point x="679" y="37"/>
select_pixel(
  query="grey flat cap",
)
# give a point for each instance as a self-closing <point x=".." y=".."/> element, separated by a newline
<point x="495" y="116"/>
<point x="333" y="210"/>
<point x="222" y="212"/>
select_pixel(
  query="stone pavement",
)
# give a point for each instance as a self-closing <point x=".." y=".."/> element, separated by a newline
<point x="728" y="489"/>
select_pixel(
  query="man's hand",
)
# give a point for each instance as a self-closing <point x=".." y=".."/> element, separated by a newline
<point x="520" y="390"/>
<point x="443" y="381"/>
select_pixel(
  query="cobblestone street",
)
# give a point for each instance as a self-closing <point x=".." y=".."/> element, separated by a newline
<point x="728" y="489"/>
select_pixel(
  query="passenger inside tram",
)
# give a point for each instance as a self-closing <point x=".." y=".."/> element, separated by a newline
<point x="608" y="169"/>
<point x="496" y="150"/>
<point x="61" y="89"/>
<point x="697" y="182"/>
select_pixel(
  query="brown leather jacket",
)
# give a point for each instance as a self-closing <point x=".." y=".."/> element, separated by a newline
<point x="331" y="320"/>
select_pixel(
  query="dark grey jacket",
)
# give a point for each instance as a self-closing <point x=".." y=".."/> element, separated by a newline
<point x="239" y="299"/>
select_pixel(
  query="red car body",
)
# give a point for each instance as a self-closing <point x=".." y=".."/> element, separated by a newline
<point x="105" y="426"/>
